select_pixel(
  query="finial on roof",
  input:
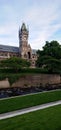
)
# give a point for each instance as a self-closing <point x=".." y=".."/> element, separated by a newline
<point x="23" y="27"/>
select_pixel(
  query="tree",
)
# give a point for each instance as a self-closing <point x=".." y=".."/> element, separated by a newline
<point x="50" y="57"/>
<point x="15" y="63"/>
<point x="53" y="49"/>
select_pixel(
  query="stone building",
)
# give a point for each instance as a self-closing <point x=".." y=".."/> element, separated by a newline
<point x="24" y="50"/>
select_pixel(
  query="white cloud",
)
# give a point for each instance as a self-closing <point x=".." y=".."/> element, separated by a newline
<point x="42" y="16"/>
<point x="44" y="21"/>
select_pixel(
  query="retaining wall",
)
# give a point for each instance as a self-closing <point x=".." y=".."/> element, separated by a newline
<point x="32" y="80"/>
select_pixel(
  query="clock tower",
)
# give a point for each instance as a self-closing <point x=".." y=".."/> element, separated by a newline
<point x="24" y="47"/>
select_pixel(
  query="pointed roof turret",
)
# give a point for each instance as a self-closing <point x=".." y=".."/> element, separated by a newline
<point x="23" y="28"/>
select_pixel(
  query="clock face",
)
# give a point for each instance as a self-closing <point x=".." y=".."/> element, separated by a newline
<point x="24" y="38"/>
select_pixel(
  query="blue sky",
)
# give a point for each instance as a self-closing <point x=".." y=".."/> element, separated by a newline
<point x="43" y="17"/>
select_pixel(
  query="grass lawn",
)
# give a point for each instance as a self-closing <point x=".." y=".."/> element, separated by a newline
<point x="28" y="101"/>
<point x="46" y="119"/>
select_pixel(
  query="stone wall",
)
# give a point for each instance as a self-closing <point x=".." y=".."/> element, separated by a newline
<point x="33" y="80"/>
<point x="4" y="84"/>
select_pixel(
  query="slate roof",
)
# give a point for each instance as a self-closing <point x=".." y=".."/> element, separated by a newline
<point x="6" y="48"/>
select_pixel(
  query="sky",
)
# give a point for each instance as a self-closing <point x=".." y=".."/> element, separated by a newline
<point x="42" y="18"/>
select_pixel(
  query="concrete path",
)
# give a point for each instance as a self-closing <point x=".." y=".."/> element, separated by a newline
<point x="27" y="110"/>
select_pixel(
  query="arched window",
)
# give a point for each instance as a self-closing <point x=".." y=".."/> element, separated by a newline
<point x="29" y="55"/>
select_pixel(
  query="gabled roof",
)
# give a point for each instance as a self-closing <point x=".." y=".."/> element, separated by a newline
<point x="6" y="48"/>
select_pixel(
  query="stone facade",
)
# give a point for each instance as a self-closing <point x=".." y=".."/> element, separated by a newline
<point x="24" y="50"/>
<point x="33" y="80"/>
<point x="37" y="80"/>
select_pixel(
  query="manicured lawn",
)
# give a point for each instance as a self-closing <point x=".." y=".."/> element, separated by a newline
<point x="46" y="119"/>
<point x="28" y="101"/>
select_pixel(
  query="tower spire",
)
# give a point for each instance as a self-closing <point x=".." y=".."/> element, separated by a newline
<point x="23" y="27"/>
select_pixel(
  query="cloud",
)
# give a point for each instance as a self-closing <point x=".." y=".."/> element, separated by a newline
<point x="42" y="16"/>
<point x="44" y="21"/>
<point x="9" y="34"/>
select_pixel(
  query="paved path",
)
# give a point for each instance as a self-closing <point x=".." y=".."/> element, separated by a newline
<point x="27" y="110"/>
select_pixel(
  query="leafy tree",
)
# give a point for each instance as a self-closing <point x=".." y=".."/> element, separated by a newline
<point x="50" y="57"/>
<point x="15" y="63"/>
<point x="53" y="49"/>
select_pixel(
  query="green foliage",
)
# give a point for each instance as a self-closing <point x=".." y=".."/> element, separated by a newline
<point x="10" y="68"/>
<point x="13" y="75"/>
<point x="33" y="71"/>
<point x="2" y="76"/>
<point x="13" y="78"/>
<point x="52" y="49"/>
<point x="50" y="57"/>
<point x="14" y="63"/>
